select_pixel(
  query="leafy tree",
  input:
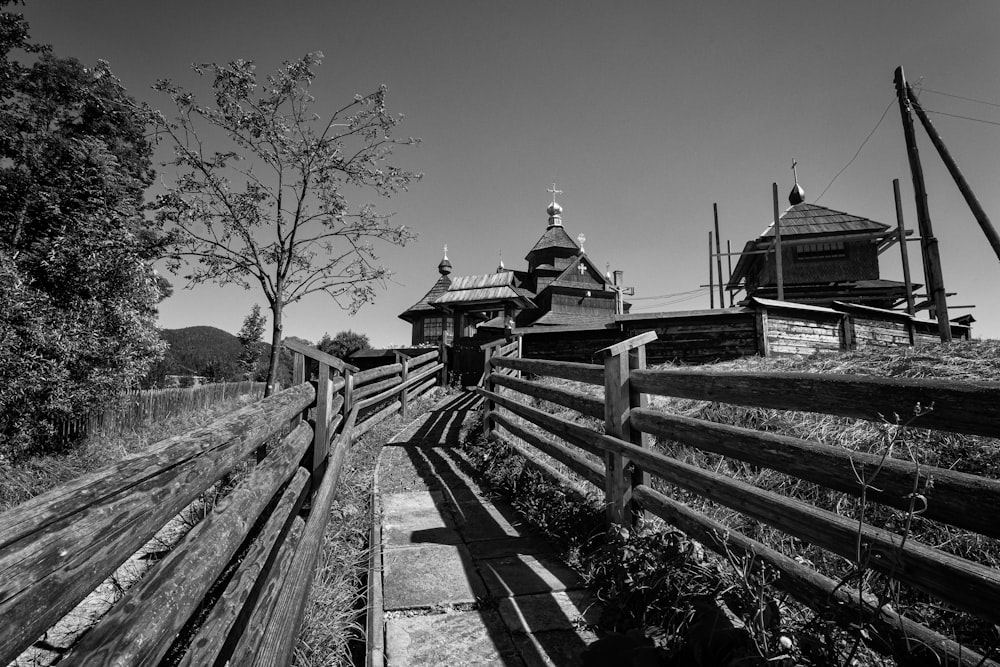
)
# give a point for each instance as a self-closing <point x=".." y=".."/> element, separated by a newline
<point x="77" y="293"/>
<point x="269" y="206"/>
<point x="344" y="344"/>
<point x="251" y="336"/>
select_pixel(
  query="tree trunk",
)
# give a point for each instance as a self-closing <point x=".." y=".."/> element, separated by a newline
<point x="272" y="363"/>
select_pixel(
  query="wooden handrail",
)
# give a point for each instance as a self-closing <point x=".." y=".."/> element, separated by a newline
<point x="318" y="355"/>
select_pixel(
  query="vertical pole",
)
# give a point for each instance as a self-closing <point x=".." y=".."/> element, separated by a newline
<point x="403" y="374"/>
<point x="718" y="254"/>
<point x="443" y="358"/>
<point x="637" y="361"/>
<point x="616" y="402"/>
<point x="488" y="426"/>
<point x="729" y="259"/>
<point x="777" y="244"/>
<point x="348" y="402"/>
<point x="321" y="437"/>
<point x="903" y="252"/>
<point x="931" y="257"/>
<point x="711" y="285"/>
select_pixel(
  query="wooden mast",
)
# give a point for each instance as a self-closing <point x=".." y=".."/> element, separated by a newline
<point x="711" y="277"/>
<point x="905" y="256"/>
<point x="928" y="243"/>
<point x="718" y="254"/>
<point x="777" y="244"/>
<point x="956" y="173"/>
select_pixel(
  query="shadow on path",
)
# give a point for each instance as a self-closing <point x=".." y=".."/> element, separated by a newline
<point x="525" y="597"/>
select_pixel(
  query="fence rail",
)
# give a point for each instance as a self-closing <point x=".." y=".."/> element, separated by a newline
<point x="621" y="462"/>
<point x="234" y="587"/>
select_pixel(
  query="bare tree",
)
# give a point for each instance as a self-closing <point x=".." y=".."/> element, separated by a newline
<point x="260" y="192"/>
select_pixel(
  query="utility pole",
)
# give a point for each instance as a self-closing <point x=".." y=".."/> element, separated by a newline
<point x="729" y="260"/>
<point x="711" y="275"/>
<point x="777" y="244"/>
<point x="718" y="253"/>
<point x="905" y="255"/>
<point x="928" y="243"/>
<point x="956" y="173"/>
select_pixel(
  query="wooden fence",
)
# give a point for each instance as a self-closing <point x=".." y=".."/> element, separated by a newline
<point x="138" y="408"/>
<point x="627" y="462"/>
<point x="234" y="587"/>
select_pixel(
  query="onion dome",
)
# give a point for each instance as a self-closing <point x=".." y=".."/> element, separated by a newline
<point x="797" y="195"/>
<point x="444" y="268"/>
<point x="554" y="209"/>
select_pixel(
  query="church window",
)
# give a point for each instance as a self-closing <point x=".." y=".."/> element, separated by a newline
<point x="820" y="251"/>
<point x="434" y="327"/>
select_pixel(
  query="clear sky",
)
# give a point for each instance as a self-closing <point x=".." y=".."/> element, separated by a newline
<point x="645" y="113"/>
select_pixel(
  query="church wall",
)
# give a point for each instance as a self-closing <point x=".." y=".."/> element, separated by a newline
<point x="596" y="305"/>
<point x="860" y="263"/>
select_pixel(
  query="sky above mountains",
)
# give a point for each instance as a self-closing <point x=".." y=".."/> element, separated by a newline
<point x="644" y="113"/>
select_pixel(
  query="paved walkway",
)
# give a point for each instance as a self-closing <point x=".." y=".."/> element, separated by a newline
<point x="465" y="582"/>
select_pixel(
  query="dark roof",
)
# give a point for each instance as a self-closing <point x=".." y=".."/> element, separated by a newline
<point x="803" y="219"/>
<point x="558" y="319"/>
<point x="554" y="237"/>
<point x="487" y="288"/>
<point x="424" y="305"/>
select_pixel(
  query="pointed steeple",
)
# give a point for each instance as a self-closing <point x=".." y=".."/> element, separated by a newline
<point x="500" y="266"/>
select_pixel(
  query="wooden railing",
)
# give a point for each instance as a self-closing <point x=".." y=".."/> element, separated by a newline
<point x="627" y="462"/>
<point x="234" y="587"/>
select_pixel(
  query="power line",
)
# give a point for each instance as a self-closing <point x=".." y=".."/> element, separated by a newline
<point x="952" y="115"/>
<point x="665" y="296"/>
<point x="959" y="97"/>
<point x="858" y="152"/>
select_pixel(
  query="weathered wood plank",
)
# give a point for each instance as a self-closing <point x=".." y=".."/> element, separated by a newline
<point x="142" y="627"/>
<point x="372" y="374"/>
<point x="360" y="393"/>
<point x="248" y="646"/>
<point x="617" y="485"/>
<point x="962" y="407"/>
<point x="283" y="630"/>
<point x="567" y="370"/>
<point x="623" y="347"/>
<point x="317" y="355"/>
<point x="375" y="419"/>
<point x="821" y="593"/>
<point x="960" y="499"/>
<point x="231" y="612"/>
<point x="969" y="586"/>
<point x="587" y="405"/>
<point x="424" y="358"/>
<point x="87" y="528"/>
<point x="420" y="389"/>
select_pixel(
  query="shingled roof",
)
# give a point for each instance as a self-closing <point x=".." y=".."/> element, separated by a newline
<point x="804" y="218"/>
<point x="424" y="304"/>
<point x="554" y="237"/>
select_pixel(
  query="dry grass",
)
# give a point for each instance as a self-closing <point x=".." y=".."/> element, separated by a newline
<point x="30" y="476"/>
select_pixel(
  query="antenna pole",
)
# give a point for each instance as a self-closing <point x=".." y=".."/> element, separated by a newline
<point x="928" y="243"/>
<point x="956" y="173"/>
<point x="729" y="260"/>
<point x="718" y="254"/>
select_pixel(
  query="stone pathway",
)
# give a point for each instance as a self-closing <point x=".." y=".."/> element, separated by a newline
<point x="464" y="580"/>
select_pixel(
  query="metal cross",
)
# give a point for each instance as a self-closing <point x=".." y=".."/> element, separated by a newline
<point x="554" y="191"/>
<point x="795" y="174"/>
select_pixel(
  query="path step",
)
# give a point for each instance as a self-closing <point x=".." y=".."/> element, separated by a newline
<point x="465" y="580"/>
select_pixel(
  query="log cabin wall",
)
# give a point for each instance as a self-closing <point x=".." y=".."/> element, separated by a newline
<point x="701" y="338"/>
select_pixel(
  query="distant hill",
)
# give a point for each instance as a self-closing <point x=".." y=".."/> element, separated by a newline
<point x="206" y="351"/>
<point x="193" y="349"/>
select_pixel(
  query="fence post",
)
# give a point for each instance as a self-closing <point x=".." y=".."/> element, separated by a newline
<point x="619" y="360"/>
<point x="321" y="434"/>
<point x="403" y="374"/>
<point x="348" y="401"/>
<point x="489" y="428"/>
<point x="443" y="354"/>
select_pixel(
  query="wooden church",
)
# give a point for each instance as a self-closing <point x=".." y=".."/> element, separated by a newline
<point x="827" y="256"/>
<point x="561" y="287"/>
